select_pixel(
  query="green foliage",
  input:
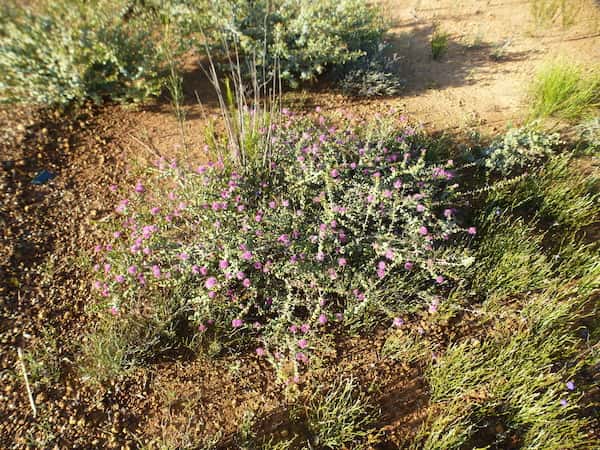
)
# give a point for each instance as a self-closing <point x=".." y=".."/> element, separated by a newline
<point x="73" y="50"/>
<point x="300" y="39"/>
<point x="439" y="44"/>
<point x="372" y="76"/>
<point x="509" y="260"/>
<point x="560" y="193"/>
<point x="340" y="417"/>
<point x="566" y="91"/>
<point x="499" y="381"/>
<point x="519" y="149"/>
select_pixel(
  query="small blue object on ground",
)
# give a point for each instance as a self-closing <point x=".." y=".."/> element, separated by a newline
<point x="43" y="177"/>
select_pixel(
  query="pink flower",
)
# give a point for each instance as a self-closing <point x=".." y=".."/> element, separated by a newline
<point x="389" y="254"/>
<point x="117" y="234"/>
<point x="301" y="357"/>
<point x="223" y="264"/>
<point x="154" y="211"/>
<point x="293" y="329"/>
<point x="433" y="307"/>
<point x="439" y="279"/>
<point x="472" y="230"/>
<point x="119" y="278"/>
<point x="156" y="271"/>
<point x="184" y="256"/>
<point x="397" y="184"/>
<point x="246" y="282"/>
<point x="195" y="269"/>
<point x="448" y="213"/>
<point x="201" y="328"/>
<point x="305" y="328"/>
<point x="342" y="262"/>
<point x="398" y="322"/>
<point x="132" y="270"/>
<point x="423" y="231"/>
<point x="247" y="255"/>
<point x="408" y="265"/>
<point x="236" y="323"/>
<point x="260" y="351"/>
<point x="210" y="283"/>
<point x="240" y="275"/>
<point x="322" y="319"/>
<point x="114" y="310"/>
<point x="420" y="208"/>
<point x="302" y="343"/>
<point x="334" y="173"/>
<point x="139" y="187"/>
<point x="204" y="270"/>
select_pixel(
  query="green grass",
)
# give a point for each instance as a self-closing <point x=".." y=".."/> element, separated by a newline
<point x="340" y="417"/>
<point x="439" y="44"/>
<point x="565" y="90"/>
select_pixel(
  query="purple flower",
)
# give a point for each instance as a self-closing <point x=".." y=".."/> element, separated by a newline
<point x="302" y="343"/>
<point x="472" y="230"/>
<point x="305" y="328"/>
<point x="563" y="403"/>
<point x="132" y="270"/>
<point x="570" y="386"/>
<point x="301" y="357"/>
<point x="139" y="187"/>
<point x="398" y="322"/>
<point x="204" y="270"/>
<point x="322" y="319"/>
<point x="119" y="278"/>
<point x="156" y="271"/>
<point x="247" y="255"/>
<point x="210" y="283"/>
<point x="236" y="323"/>
<point x="423" y="231"/>
<point x="293" y="329"/>
<point x="448" y="213"/>
<point x="408" y="265"/>
<point x="223" y="264"/>
<point x="195" y="269"/>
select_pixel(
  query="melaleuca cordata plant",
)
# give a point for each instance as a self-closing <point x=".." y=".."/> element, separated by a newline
<point x="343" y="223"/>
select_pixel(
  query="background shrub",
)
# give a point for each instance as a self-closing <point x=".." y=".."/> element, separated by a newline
<point x="301" y="38"/>
<point x="71" y="50"/>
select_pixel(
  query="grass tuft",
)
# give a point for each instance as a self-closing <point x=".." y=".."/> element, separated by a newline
<point x="566" y="91"/>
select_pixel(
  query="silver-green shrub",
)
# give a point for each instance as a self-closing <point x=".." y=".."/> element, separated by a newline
<point x="73" y="50"/>
<point x="300" y="38"/>
<point x="518" y="149"/>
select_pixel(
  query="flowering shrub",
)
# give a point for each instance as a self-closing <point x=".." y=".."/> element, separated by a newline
<point x="73" y="51"/>
<point x="299" y="38"/>
<point x="344" y="223"/>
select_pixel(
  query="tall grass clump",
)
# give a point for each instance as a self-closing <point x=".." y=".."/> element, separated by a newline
<point x="566" y="91"/>
<point x="68" y="51"/>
